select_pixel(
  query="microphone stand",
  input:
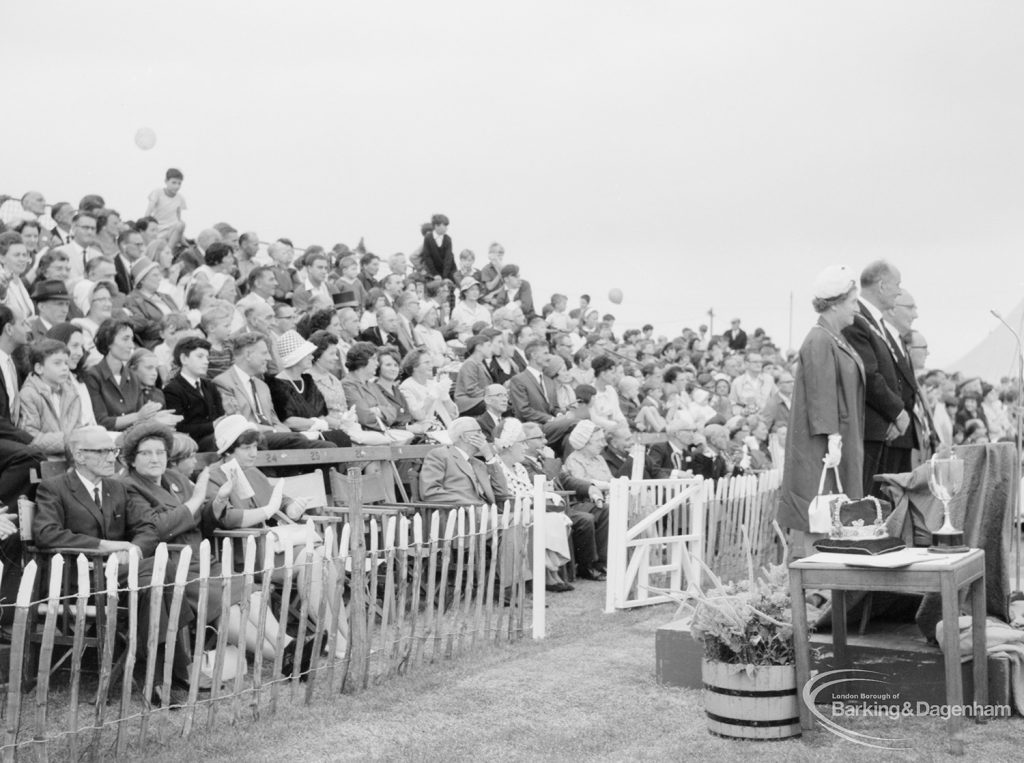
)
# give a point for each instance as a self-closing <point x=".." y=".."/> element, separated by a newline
<point x="1015" y="540"/>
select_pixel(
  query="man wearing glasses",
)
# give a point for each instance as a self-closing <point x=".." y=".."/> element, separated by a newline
<point x="86" y="508"/>
<point x="82" y="246"/>
<point x="664" y="459"/>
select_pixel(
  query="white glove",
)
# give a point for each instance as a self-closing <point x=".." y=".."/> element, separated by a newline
<point x="835" y="451"/>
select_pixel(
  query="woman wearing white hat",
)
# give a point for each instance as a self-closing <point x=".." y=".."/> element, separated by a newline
<point x="255" y="501"/>
<point x="297" y="398"/>
<point x="469" y="311"/>
<point x="826" y="424"/>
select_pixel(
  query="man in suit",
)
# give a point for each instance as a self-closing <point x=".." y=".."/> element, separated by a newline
<point x="243" y="391"/>
<point x="437" y="257"/>
<point x="407" y="307"/>
<point x="885" y="416"/>
<point x="455" y="474"/>
<point x="473" y="376"/>
<point x="52" y="306"/>
<point x="736" y="337"/>
<point x="18" y="458"/>
<point x="534" y="397"/>
<point x="131" y="246"/>
<point x="780" y="403"/>
<point x="496" y="404"/>
<point x="678" y="454"/>
<point x="281" y="253"/>
<point x="191" y="395"/>
<point x="617" y="454"/>
<point x="899" y="322"/>
<point x="384" y="333"/>
<point x="87" y="508"/>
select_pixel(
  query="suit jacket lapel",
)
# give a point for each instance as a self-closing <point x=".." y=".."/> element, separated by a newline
<point x="484" y="479"/>
<point x="468" y="469"/>
<point x="82" y="496"/>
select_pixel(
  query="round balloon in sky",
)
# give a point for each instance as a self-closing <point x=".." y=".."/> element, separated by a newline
<point x="615" y="295"/>
<point x="145" y="138"/>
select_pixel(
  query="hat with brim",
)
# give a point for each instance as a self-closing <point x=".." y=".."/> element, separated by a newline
<point x="468" y="283"/>
<point x="291" y="348"/>
<point x="229" y="429"/>
<point x="50" y="291"/>
<point x="141" y="268"/>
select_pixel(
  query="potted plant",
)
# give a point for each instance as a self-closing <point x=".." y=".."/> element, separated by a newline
<point x="748" y="668"/>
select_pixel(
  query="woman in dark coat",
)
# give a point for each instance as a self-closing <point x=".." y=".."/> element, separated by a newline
<point x="826" y="423"/>
<point x="180" y="513"/>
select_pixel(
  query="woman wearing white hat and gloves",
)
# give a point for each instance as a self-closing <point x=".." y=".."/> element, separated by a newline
<point x="826" y="425"/>
<point x="255" y="501"/>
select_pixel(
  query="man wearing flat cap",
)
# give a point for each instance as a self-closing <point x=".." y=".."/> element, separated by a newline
<point x="886" y="416"/>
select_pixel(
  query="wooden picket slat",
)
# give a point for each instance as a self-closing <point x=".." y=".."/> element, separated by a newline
<point x="18" y="635"/>
<point x="199" y="645"/>
<point x="156" y="594"/>
<point x="107" y="658"/>
<point x="359" y="651"/>
<point x="282" y="626"/>
<point x="227" y="574"/>
<point x="78" y="648"/>
<point x="129" y="662"/>
<point x="46" y="652"/>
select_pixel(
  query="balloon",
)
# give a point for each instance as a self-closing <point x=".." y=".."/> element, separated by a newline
<point x="615" y="295"/>
<point x="145" y="138"/>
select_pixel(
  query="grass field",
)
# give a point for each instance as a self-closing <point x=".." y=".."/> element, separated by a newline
<point x="587" y="692"/>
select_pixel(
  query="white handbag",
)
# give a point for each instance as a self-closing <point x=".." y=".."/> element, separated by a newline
<point x="819" y="512"/>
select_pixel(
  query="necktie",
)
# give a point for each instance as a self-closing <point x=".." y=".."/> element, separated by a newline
<point x="96" y="496"/>
<point x="199" y="387"/>
<point x="543" y="390"/>
<point x="894" y="342"/>
<point x="260" y="417"/>
<point x="677" y="460"/>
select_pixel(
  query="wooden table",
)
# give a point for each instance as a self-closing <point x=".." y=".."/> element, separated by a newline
<point x="946" y="575"/>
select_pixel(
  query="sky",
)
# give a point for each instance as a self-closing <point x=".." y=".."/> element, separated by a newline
<point x="696" y="155"/>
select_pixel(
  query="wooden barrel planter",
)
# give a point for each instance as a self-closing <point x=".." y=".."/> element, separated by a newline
<point x="739" y="706"/>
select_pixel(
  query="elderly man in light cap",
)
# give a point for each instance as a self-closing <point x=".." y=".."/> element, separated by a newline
<point x="467" y="472"/>
<point x="887" y="418"/>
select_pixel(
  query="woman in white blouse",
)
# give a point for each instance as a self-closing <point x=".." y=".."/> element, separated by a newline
<point x="14" y="261"/>
<point x="428" y="396"/>
<point x="469" y="311"/>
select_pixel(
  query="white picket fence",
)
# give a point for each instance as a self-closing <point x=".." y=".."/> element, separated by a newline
<point x="416" y="590"/>
<point x="652" y="521"/>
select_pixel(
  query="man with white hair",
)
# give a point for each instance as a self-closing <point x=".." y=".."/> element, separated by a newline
<point x="676" y="455"/>
<point x="31" y="207"/>
<point x="88" y="508"/>
<point x="496" y="404"/>
<point x="456" y="474"/>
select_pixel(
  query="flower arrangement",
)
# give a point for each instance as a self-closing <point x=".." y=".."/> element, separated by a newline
<point x="747" y="623"/>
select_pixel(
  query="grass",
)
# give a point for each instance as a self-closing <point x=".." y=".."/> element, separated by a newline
<point x="587" y="692"/>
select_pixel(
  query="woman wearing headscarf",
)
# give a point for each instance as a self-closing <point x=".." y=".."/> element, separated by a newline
<point x="510" y="443"/>
<point x="827" y="416"/>
<point x="586" y="472"/>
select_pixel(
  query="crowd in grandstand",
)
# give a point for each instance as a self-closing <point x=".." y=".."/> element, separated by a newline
<point x="221" y="342"/>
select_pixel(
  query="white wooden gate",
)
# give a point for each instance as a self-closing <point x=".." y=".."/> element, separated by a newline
<point x="650" y="522"/>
